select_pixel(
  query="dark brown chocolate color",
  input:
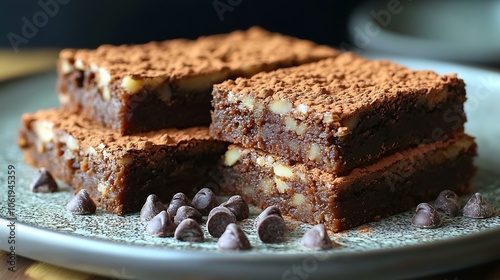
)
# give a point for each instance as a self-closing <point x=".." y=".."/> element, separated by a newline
<point x="189" y="230"/>
<point x="233" y="239"/>
<point x="118" y="172"/>
<point x="394" y="184"/>
<point x="173" y="79"/>
<point x="448" y="202"/>
<point x="218" y="219"/>
<point x="81" y="204"/>
<point x="185" y="212"/>
<point x="271" y="229"/>
<point x="238" y="206"/>
<point x="426" y="217"/>
<point x="161" y="225"/>
<point x="317" y="238"/>
<point x="270" y="210"/>
<point x="204" y="200"/>
<point x="338" y="113"/>
<point x="44" y="182"/>
<point x="174" y="205"/>
<point x="151" y="208"/>
<point x="477" y="207"/>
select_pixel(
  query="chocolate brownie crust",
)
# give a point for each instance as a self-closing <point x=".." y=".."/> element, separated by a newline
<point x="339" y="113"/>
<point x="135" y="88"/>
<point x="392" y="185"/>
<point x="118" y="172"/>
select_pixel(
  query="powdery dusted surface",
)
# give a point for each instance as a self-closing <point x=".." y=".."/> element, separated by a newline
<point x="342" y="85"/>
<point x="179" y="58"/>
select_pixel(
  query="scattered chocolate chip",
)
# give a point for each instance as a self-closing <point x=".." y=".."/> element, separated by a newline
<point x="189" y="230"/>
<point x="161" y="225"/>
<point x="238" y="206"/>
<point x="174" y="205"/>
<point x="271" y="210"/>
<point x="448" y="202"/>
<point x="44" y="182"/>
<point x="271" y="229"/>
<point x="151" y="208"/>
<point x="183" y="197"/>
<point x="233" y="238"/>
<point x="426" y="216"/>
<point x="185" y="212"/>
<point x="317" y="238"/>
<point x="205" y="200"/>
<point x="477" y="208"/>
<point x="218" y="219"/>
<point x="81" y="204"/>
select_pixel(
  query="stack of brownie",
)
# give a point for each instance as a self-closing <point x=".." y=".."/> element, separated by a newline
<point x="133" y="120"/>
<point x="343" y="141"/>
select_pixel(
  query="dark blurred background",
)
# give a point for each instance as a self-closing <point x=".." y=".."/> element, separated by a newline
<point x="89" y="23"/>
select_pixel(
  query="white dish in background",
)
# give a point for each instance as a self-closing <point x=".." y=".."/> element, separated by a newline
<point x="459" y="30"/>
<point x="117" y="246"/>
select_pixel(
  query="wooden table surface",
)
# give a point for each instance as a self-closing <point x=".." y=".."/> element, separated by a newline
<point x="27" y="62"/>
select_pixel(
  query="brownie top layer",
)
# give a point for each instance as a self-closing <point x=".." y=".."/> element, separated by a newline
<point x="47" y="123"/>
<point x="178" y="58"/>
<point x="338" y="86"/>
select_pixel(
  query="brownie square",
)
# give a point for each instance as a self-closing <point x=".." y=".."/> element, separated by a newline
<point x="391" y="185"/>
<point x="138" y="88"/>
<point x="118" y="172"/>
<point x="338" y="113"/>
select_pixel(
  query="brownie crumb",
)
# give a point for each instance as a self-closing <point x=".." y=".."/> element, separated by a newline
<point x="477" y="208"/>
<point x="81" y="204"/>
<point x="161" y="225"/>
<point x="44" y="182"/>
<point x="233" y="239"/>
<point x="426" y="216"/>
<point x="152" y="207"/>
<point x="317" y="238"/>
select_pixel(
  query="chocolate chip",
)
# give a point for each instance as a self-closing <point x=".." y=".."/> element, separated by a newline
<point x="218" y="219"/>
<point x="426" y="216"/>
<point x="189" y="230"/>
<point x="182" y="197"/>
<point x="178" y="200"/>
<point x="174" y="205"/>
<point x="271" y="229"/>
<point x="44" y="182"/>
<point x="477" y="208"/>
<point x="185" y="212"/>
<point x="238" y="206"/>
<point x="317" y="238"/>
<point x="151" y="208"/>
<point x="271" y="210"/>
<point x="448" y="202"/>
<point x="233" y="239"/>
<point x="81" y="204"/>
<point x="204" y="201"/>
<point x="161" y="225"/>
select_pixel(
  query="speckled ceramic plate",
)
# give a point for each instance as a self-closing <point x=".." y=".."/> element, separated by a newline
<point x="118" y="247"/>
